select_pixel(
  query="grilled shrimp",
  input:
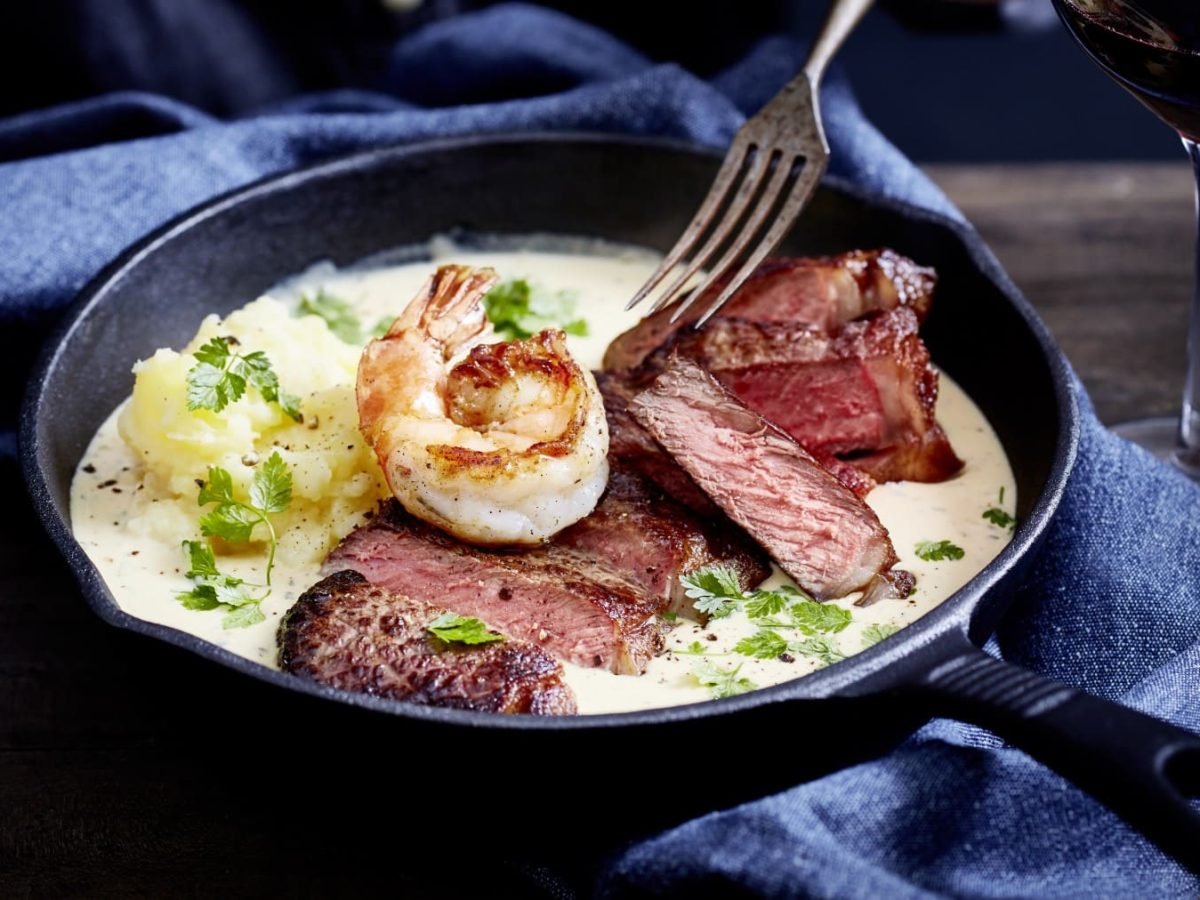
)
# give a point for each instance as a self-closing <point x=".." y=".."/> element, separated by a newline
<point x="505" y="445"/>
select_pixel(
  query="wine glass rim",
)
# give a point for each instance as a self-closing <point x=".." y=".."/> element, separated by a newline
<point x="1106" y="20"/>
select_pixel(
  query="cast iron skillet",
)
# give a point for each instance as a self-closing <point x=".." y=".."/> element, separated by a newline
<point x="226" y="252"/>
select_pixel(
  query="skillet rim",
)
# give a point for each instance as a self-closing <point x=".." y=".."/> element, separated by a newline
<point x="952" y="616"/>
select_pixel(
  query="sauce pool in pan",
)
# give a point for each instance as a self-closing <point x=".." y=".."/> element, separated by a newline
<point x="111" y="496"/>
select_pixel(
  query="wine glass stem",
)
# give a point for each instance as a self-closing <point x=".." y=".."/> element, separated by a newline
<point x="1189" y="423"/>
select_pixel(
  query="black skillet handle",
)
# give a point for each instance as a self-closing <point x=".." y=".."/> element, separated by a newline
<point x="1142" y="768"/>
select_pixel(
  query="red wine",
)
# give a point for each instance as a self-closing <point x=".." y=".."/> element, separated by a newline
<point x="1151" y="48"/>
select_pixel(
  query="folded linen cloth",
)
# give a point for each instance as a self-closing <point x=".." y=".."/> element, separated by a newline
<point x="1113" y="605"/>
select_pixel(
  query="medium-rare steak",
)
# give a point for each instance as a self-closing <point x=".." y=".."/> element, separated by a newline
<point x="823" y="292"/>
<point x="349" y="634"/>
<point x="653" y="540"/>
<point x="819" y="532"/>
<point x="561" y="599"/>
<point x="866" y="393"/>
<point x="631" y="446"/>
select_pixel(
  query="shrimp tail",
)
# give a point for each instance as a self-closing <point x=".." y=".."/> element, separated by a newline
<point x="449" y="308"/>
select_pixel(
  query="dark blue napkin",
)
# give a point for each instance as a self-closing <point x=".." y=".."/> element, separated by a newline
<point x="1113" y="606"/>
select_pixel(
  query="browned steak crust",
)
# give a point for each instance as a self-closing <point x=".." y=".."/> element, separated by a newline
<point x="821" y="292"/>
<point x="352" y="635"/>
<point x="865" y="394"/>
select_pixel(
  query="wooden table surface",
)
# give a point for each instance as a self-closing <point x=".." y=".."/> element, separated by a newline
<point x="114" y="779"/>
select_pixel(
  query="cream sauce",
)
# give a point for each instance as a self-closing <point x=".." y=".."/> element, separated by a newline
<point x="144" y="575"/>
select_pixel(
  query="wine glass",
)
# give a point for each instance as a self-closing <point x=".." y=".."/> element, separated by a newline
<point x="1152" y="49"/>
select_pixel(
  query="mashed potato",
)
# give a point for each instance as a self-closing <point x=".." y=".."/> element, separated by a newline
<point x="336" y="478"/>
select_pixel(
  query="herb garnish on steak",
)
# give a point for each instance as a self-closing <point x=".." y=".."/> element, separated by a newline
<point x="360" y="637"/>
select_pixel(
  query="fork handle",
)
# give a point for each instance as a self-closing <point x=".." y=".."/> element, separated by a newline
<point x="843" y="15"/>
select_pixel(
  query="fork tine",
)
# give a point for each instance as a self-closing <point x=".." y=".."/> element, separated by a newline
<point x="770" y="195"/>
<point x="806" y="183"/>
<point x="757" y="169"/>
<point x="731" y="166"/>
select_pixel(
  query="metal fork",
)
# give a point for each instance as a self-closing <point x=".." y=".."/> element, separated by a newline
<point x="784" y="145"/>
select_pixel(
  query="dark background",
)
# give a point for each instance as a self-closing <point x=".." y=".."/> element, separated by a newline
<point x="947" y="81"/>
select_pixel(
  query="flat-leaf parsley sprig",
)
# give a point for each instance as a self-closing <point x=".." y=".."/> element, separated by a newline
<point x="788" y="609"/>
<point x="235" y="520"/>
<point x="518" y="310"/>
<point x="213" y="590"/>
<point x="715" y="590"/>
<point x="221" y="375"/>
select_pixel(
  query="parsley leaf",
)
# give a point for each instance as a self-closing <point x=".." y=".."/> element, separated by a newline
<point x="715" y="590"/>
<point x="518" y="310"/>
<point x="220" y="377"/>
<point x="997" y="515"/>
<point x="875" y="633"/>
<point x="212" y="590"/>
<point x="935" y="551"/>
<point x="215" y="352"/>
<point x="203" y="563"/>
<point x="290" y="404"/>
<point x="337" y="313"/>
<point x="823" y="648"/>
<point x="218" y="488"/>
<point x="721" y="682"/>
<point x="235" y="521"/>
<point x="715" y="607"/>
<point x="243" y="616"/>
<point x="232" y="591"/>
<point x="811" y="617"/>
<point x="768" y="603"/>
<point x="453" y="628"/>
<point x="201" y="597"/>
<point x="763" y="644"/>
<point x="271" y="487"/>
<point x="211" y="388"/>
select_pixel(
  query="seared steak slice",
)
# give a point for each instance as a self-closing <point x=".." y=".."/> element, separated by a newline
<point x="867" y="393"/>
<point x="630" y="446"/>
<point x="823" y="292"/>
<point x="349" y="634"/>
<point x="819" y="532"/>
<point x="565" y="601"/>
<point x="654" y="540"/>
